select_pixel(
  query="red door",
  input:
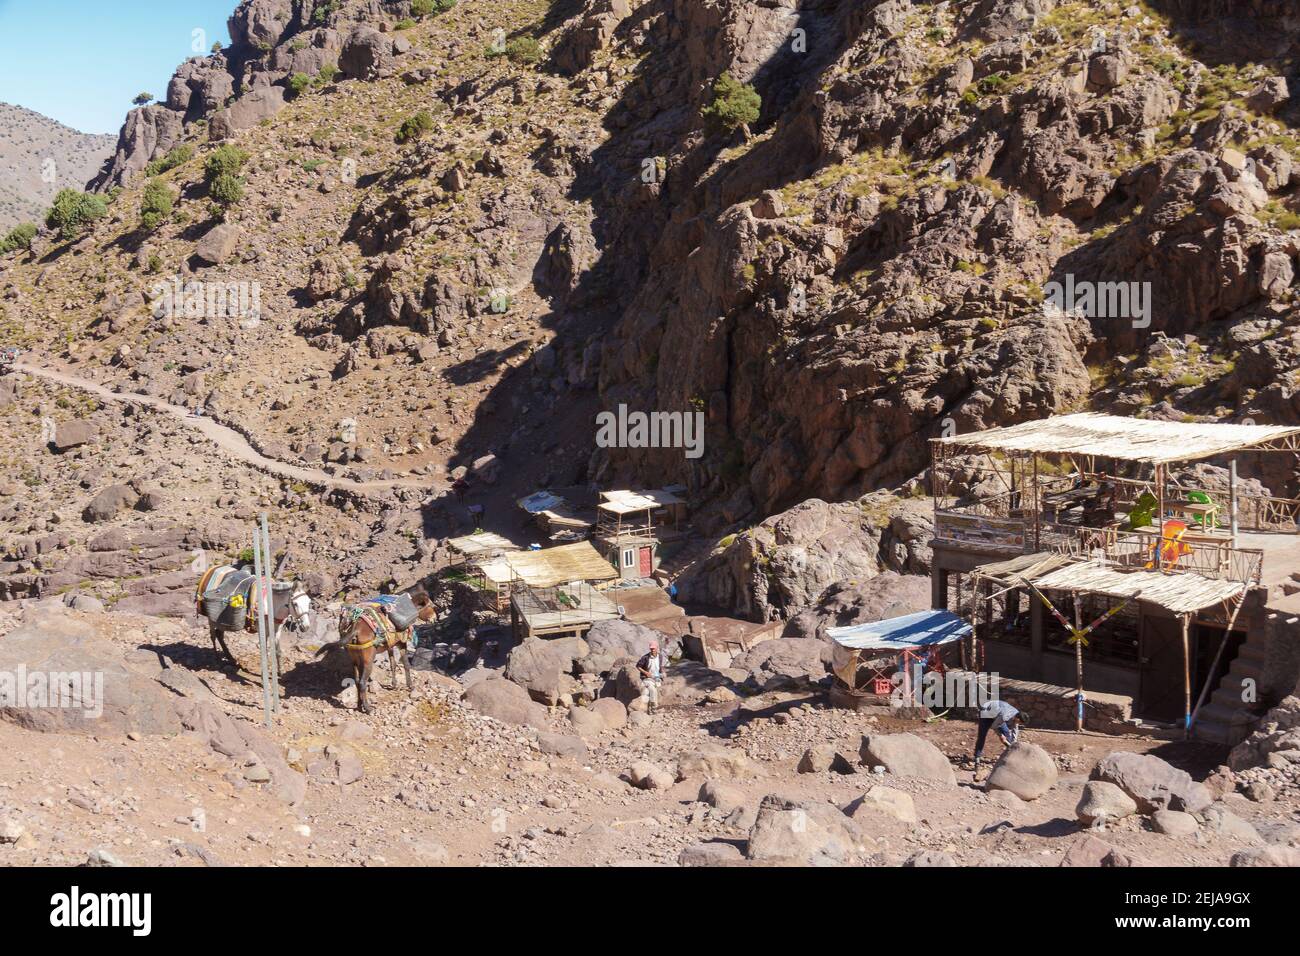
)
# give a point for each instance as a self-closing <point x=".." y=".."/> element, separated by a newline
<point x="646" y="568"/>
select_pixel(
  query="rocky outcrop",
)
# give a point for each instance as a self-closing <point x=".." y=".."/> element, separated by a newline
<point x="1152" y="783"/>
<point x="58" y="676"/>
<point x="847" y="603"/>
<point x="787" y="562"/>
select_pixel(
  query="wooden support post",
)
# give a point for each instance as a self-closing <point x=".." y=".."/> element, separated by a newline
<point x="1232" y="499"/>
<point x="1037" y="508"/>
<point x="1078" y="661"/>
<point x="1160" y="517"/>
<point x="1209" y="678"/>
<point x="1187" y="679"/>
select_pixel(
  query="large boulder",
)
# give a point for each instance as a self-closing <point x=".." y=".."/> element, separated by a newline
<point x="109" y="503"/>
<point x="784" y="663"/>
<point x="846" y="603"/>
<point x="887" y="800"/>
<point x="368" y="54"/>
<point x="219" y="243"/>
<point x="58" y="676"/>
<point x="69" y="435"/>
<point x="715" y="762"/>
<point x="611" y="641"/>
<point x="506" y="701"/>
<point x="1103" y="801"/>
<point x="649" y="776"/>
<point x="1025" y="769"/>
<point x="544" y="667"/>
<point x="801" y="833"/>
<point x="907" y="755"/>
<point x="1152" y="783"/>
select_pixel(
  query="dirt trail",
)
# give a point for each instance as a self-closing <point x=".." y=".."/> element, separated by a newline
<point x="225" y="438"/>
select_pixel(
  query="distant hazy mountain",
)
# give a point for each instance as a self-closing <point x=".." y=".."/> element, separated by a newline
<point x="38" y="157"/>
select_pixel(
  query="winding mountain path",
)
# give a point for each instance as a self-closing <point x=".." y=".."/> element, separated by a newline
<point x="224" y="437"/>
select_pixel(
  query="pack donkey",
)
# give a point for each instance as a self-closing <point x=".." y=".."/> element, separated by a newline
<point x="227" y="597"/>
<point x="370" y="628"/>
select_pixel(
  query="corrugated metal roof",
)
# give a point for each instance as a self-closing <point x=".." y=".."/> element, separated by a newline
<point x="922" y="629"/>
<point x="1125" y="439"/>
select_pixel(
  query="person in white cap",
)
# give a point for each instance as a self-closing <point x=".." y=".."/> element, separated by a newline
<point x="650" y="667"/>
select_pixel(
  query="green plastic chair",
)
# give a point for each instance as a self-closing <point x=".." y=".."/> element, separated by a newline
<point x="1143" y="511"/>
<point x="1200" y="498"/>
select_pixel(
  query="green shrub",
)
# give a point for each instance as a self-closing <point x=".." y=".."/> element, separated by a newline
<point x="155" y="263"/>
<point x="142" y="98"/>
<point x="19" y="237"/>
<point x="226" y="190"/>
<point x="221" y="171"/>
<point x="413" y="127"/>
<point x="156" y="204"/>
<point x="176" y="156"/>
<point x="322" y="13"/>
<point x="524" y="49"/>
<point x="424" y="8"/>
<point x="327" y="74"/>
<point x="735" y="104"/>
<point x="404" y="24"/>
<point x="298" y="84"/>
<point x="73" y="212"/>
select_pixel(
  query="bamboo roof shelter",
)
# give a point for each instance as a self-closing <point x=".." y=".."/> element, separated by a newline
<point x="1067" y="530"/>
<point x="559" y="565"/>
<point x="1128" y="439"/>
<point x="481" y="544"/>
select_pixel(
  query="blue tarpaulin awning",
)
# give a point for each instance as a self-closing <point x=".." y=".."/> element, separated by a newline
<point x="909" y="632"/>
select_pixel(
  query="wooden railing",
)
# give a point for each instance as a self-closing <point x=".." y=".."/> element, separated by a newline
<point x="1140" y="551"/>
<point x="1254" y="512"/>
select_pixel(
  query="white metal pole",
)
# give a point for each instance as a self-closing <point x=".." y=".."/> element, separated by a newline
<point x="261" y="622"/>
<point x="273" y="645"/>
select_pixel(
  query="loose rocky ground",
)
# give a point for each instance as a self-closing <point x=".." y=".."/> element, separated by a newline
<point x="428" y="780"/>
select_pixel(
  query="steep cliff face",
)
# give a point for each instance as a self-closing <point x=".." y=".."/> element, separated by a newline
<point x="870" y="267"/>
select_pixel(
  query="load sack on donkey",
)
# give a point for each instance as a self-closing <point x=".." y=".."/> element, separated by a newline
<point x="225" y="595"/>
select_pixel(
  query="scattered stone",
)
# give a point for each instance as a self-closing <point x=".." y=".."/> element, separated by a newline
<point x="1174" y="823"/>
<point x="1090" y="851"/>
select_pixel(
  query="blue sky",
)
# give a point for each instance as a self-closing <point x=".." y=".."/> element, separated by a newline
<point x="83" y="61"/>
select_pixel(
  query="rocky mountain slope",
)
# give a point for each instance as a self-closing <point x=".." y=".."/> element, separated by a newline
<point x="38" y="157"/>
<point x="471" y="228"/>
